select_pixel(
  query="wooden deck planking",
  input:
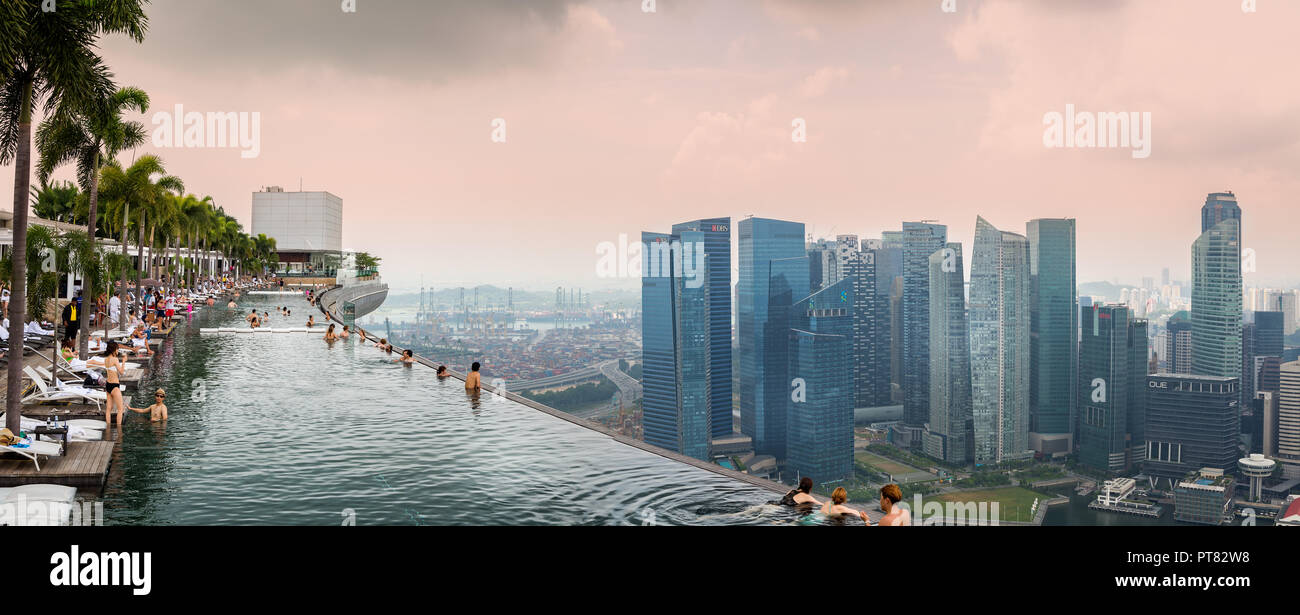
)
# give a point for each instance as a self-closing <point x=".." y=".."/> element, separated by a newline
<point x="85" y="465"/>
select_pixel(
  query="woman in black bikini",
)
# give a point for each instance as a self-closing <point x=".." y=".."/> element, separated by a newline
<point x="114" y="386"/>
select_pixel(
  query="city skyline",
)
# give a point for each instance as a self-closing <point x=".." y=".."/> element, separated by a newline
<point x="628" y="120"/>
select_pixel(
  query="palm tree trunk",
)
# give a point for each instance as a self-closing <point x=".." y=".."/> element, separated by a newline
<point x="139" y="257"/>
<point x="121" y="273"/>
<point x="89" y="293"/>
<point x="18" y="296"/>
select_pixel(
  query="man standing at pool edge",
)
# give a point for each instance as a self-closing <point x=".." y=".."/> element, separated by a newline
<point x="472" y="380"/>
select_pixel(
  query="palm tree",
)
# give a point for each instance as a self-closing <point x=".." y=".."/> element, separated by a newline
<point x="55" y="201"/>
<point x="47" y="56"/>
<point x="196" y="215"/>
<point x="135" y="184"/>
<point x="90" y="135"/>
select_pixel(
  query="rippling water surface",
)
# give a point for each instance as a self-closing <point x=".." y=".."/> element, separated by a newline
<point x="283" y="429"/>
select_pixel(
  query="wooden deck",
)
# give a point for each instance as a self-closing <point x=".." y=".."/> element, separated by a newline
<point x="85" y="466"/>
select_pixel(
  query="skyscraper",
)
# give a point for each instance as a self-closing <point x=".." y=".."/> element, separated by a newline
<point x="773" y="275"/>
<point x="872" y="375"/>
<point x="1219" y="206"/>
<point x="676" y="367"/>
<point x="1178" y="352"/>
<point x="1112" y="387"/>
<point x="819" y="415"/>
<point x="1217" y="297"/>
<point x="1054" y="314"/>
<point x="1192" y="422"/>
<point x="950" y="427"/>
<point x="999" y="326"/>
<point x="1287" y="440"/>
<point x="920" y="240"/>
<point x="715" y="234"/>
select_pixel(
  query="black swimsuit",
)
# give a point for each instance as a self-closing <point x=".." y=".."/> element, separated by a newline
<point x="108" y="388"/>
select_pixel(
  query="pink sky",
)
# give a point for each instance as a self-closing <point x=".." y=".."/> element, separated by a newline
<point x="621" y="121"/>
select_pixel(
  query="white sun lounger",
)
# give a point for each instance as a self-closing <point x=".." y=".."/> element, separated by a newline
<point x="78" y="429"/>
<point x="35" y="448"/>
<point x="60" y="391"/>
<point x="37" y="505"/>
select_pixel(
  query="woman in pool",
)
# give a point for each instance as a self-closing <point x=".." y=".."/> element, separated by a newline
<point x="442" y="372"/>
<point x="408" y="357"/>
<point x="329" y="334"/>
<point x="835" y="508"/>
<point x="802" y="495"/>
<point x="311" y="320"/>
<point x="890" y="496"/>
<point x="114" y="385"/>
<point x="344" y="335"/>
<point x="157" y="411"/>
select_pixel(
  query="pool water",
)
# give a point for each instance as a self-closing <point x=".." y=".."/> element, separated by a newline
<point x="283" y="429"/>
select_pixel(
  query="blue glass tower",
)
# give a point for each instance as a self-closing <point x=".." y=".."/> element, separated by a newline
<point x="676" y="366"/>
<point x="773" y="275"/>
<point x="920" y="240"/>
<point x="1054" y="322"/>
<point x="819" y="416"/>
<point x="715" y="233"/>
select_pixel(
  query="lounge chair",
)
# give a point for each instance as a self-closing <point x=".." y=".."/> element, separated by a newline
<point x="78" y="429"/>
<point x="37" y="505"/>
<point x="32" y="449"/>
<point x="61" y="391"/>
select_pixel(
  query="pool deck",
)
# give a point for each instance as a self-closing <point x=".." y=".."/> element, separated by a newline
<point x="87" y="463"/>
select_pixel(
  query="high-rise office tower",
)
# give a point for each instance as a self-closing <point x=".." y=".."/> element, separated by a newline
<point x="823" y="265"/>
<point x="1192" y="422"/>
<point x="1287" y="442"/>
<point x="1216" y="300"/>
<point x="1178" y="352"/>
<point x="676" y="367"/>
<point x="1053" y="351"/>
<point x="999" y="346"/>
<point x="1247" y="362"/>
<point x="920" y="240"/>
<point x="872" y="375"/>
<point x="715" y="234"/>
<point x="1269" y="336"/>
<point x="773" y="275"/>
<point x="819" y="414"/>
<point x="1219" y="206"/>
<point x="950" y="428"/>
<point x="1112" y="388"/>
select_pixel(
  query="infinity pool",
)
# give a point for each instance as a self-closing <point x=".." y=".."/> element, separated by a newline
<point x="283" y="429"/>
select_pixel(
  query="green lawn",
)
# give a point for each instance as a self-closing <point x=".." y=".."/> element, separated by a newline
<point x="1013" y="502"/>
<point x="883" y="464"/>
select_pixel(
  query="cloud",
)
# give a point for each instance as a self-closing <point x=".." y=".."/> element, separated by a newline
<point x="819" y="82"/>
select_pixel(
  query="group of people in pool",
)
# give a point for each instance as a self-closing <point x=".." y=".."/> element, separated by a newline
<point x="890" y="495"/>
<point x="114" y="370"/>
<point x="333" y="335"/>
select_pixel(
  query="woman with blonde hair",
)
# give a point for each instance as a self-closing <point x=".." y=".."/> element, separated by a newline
<point x="835" y="508"/>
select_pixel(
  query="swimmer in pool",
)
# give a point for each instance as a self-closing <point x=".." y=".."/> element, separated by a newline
<point x="329" y="334"/>
<point x="344" y="335"/>
<point x="311" y="321"/>
<point x="802" y="495"/>
<point x="157" y="411"/>
<point x="442" y="372"/>
<point x="407" y="358"/>
<point x="895" y="515"/>
<point x="836" y="508"/>
<point x="472" y="381"/>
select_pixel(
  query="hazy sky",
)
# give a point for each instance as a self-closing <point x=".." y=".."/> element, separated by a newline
<point x="619" y="121"/>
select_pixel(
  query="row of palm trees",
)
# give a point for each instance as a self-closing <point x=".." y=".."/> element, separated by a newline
<point x="49" y="62"/>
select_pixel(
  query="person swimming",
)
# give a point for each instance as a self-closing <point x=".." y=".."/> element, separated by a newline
<point x="344" y="334"/>
<point x="895" y="515"/>
<point x="407" y="357"/>
<point x="442" y="372"/>
<point x="311" y="320"/>
<point x="801" y="495"/>
<point x="157" y="411"/>
<point x="472" y="381"/>
<point x="329" y="334"/>
<point x="835" y="508"/>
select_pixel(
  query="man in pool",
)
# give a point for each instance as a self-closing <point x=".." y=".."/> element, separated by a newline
<point x="442" y="372"/>
<point x="895" y="515"/>
<point x="472" y="381"/>
<point x="253" y="320"/>
<point x="157" y="411"/>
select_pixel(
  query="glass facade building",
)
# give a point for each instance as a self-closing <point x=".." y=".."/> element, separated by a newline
<point x="920" y="240"/>
<point x="819" y="417"/>
<point x="715" y="234"/>
<point x="1192" y="422"/>
<point x="1054" y="314"/>
<point x="1217" y="301"/>
<point x="1112" y="387"/>
<point x="950" y="428"/>
<point x="675" y="353"/>
<point x="999" y="326"/>
<point x="773" y="275"/>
